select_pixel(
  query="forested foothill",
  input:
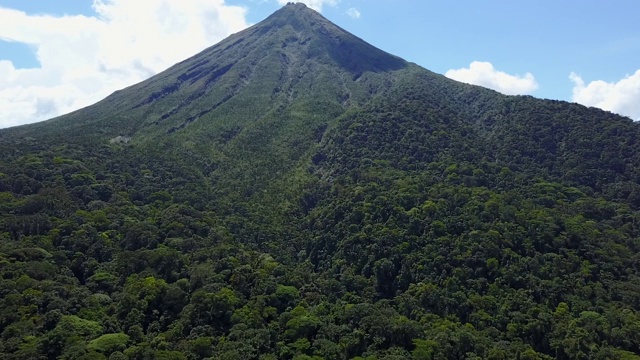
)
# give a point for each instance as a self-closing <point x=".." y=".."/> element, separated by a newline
<point x="295" y="193"/>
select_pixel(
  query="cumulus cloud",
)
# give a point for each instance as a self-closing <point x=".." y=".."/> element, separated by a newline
<point x="484" y="74"/>
<point x="85" y="58"/>
<point x="353" y="13"/>
<point x="314" y="4"/>
<point x="622" y="97"/>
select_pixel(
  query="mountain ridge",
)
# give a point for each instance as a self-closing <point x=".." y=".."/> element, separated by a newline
<point x="272" y="198"/>
<point x="328" y="40"/>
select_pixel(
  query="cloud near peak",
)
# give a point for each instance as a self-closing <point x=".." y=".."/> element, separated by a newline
<point x="353" y="13"/>
<point x="622" y="97"/>
<point x="484" y="74"/>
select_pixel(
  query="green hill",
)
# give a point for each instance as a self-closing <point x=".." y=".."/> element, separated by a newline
<point x="293" y="192"/>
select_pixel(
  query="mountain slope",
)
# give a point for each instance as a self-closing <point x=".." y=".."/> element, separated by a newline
<point x="252" y="73"/>
<point x="293" y="192"/>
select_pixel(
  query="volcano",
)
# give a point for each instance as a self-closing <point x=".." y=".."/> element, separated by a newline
<point x="293" y="192"/>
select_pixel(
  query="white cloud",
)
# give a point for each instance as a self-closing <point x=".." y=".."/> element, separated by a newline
<point x="85" y="58"/>
<point x="314" y="4"/>
<point x="484" y="74"/>
<point x="622" y="97"/>
<point x="353" y="13"/>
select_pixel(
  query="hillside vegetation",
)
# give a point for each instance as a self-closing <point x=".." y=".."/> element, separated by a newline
<point x="294" y="193"/>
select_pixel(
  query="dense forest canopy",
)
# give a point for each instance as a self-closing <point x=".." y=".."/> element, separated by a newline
<point x="295" y="193"/>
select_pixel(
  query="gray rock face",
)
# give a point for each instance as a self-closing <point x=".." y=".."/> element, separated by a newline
<point x="120" y="140"/>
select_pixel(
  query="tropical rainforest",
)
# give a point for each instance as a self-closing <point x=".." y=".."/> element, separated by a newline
<point x="295" y="193"/>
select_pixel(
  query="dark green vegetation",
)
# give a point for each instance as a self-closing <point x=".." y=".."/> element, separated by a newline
<point x="294" y="193"/>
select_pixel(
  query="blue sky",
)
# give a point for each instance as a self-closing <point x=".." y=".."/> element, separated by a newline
<point x="57" y="56"/>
